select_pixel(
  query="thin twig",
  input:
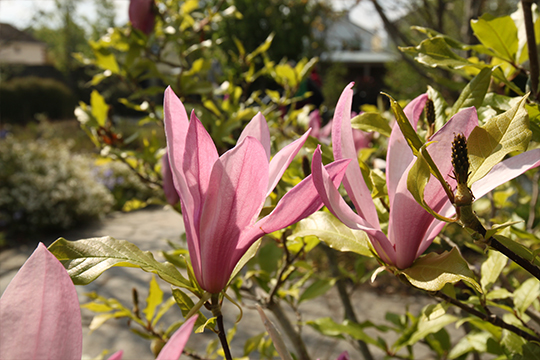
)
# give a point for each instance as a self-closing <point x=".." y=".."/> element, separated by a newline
<point x="531" y="47"/>
<point x="216" y="311"/>
<point x="492" y="319"/>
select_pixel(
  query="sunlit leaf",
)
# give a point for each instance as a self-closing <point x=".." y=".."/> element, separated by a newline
<point x="154" y="298"/>
<point x="524" y="296"/>
<point x="489" y="144"/>
<point x="491" y="269"/>
<point x="432" y="271"/>
<point x="85" y="260"/>
<point x="498" y="34"/>
<point x="474" y="92"/>
<point x="371" y="121"/>
<point x="334" y="233"/>
<point x="100" y="109"/>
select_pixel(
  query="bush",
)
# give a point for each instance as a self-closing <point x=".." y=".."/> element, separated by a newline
<point x="21" y="99"/>
<point x="124" y="184"/>
<point x="44" y="187"/>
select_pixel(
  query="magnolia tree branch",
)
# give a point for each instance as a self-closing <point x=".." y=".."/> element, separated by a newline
<point x="492" y="319"/>
<point x="344" y="297"/>
<point x="531" y="46"/>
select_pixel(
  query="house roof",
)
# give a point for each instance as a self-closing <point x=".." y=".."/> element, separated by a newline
<point x="10" y="33"/>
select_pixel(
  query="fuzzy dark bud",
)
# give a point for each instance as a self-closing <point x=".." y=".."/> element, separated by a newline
<point x="460" y="159"/>
<point x="429" y="110"/>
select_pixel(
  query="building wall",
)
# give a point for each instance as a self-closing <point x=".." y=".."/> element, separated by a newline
<point x="24" y="53"/>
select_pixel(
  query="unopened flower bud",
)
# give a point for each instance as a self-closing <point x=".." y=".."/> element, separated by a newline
<point x="429" y="110"/>
<point x="460" y="162"/>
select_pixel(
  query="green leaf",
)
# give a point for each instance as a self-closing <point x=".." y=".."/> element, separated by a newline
<point x="85" y="260"/>
<point x="432" y="271"/>
<point x="406" y="128"/>
<point x="502" y="134"/>
<point x="155" y="297"/>
<point x="440" y="106"/>
<point x="252" y="251"/>
<point x="261" y="48"/>
<point x="473" y="94"/>
<point x="100" y="109"/>
<point x="286" y="75"/>
<point x="371" y="121"/>
<point x="209" y="324"/>
<point x="429" y="325"/>
<point x="329" y="327"/>
<point x="107" y="62"/>
<point x="491" y="269"/>
<point x="316" y="289"/>
<point x="435" y="52"/>
<point x="526" y="294"/>
<point x="417" y="180"/>
<point x="499" y="34"/>
<point x="334" y="233"/>
<point x="185" y="304"/>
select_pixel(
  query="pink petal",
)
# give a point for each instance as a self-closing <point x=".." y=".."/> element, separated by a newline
<point x="168" y="183"/>
<point x="343" y="356"/>
<point x="117" y="355"/>
<point x="399" y="155"/>
<point x="199" y="157"/>
<point x="344" y="148"/>
<point x="315" y="123"/>
<point x="282" y="159"/>
<point x="258" y="128"/>
<point x="234" y="199"/>
<point x="39" y="312"/>
<point x="174" y="347"/>
<point x="506" y="171"/>
<point x="337" y="206"/>
<point x="298" y="203"/>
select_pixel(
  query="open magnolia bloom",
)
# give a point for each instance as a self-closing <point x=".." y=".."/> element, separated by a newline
<point x="222" y="196"/>
<point x="40" y="316"/>
<point x="411" y="229"/>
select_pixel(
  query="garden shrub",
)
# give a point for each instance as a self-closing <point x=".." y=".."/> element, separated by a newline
<point x="123" y="183"/>
<point x="43" y="187"/>
<point x="21" y="99"/>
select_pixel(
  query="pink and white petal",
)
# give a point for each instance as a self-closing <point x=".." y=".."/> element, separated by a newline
<point x="344" y="148"/>
<point x="408" y="224"/>
<point x="199" y="158"/>
<point x="282" y="160"/>
<point x="258" y="128"/>
<point x="399" y="155"/>
<point x="441" y="152"/>
<point x="297" y="204"/>
<point x="117" y="355"/>
<point x="39" y="312"/>
<point x="234" y="199"/>
<point x="176" y="344"/>
<point x="337" y="206"/>
<point x="506" y="171"/>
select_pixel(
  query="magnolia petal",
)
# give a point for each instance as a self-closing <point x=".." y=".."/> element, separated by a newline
<point x="399" y="155"/>
<point x="39" y="312"/>
<point x="174" y="347"/>
<point x="315" y="123"/>
<point x="257" y="128"/>
<point x="234" y="199"/>
<point x="337" y="206"/>
<point x="298" y="203"/>
<point x="117" y="355"/>
<point x="282" y="159"/>
<point x="344" y="148"/>
<point x="199" y="157"/>
<point x="176" y="128"/>
<point x="408" y="224"/>
<point x="168" y="183"/>
<point x="441" y="152"/>
<point x="141" y="15"/>
<point x="506" y="171"/>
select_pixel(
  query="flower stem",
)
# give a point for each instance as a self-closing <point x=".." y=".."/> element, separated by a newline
<point x="216" y="311"/>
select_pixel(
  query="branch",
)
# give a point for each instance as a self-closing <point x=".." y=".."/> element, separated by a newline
<point x="492" y="319"/>
<point x="531" y="46"/>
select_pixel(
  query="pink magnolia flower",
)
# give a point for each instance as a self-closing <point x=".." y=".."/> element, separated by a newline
<point x="361" y="138"/>
<point x="40" y="316"/>
<point x="411" y="229"/>
<point x="141" y="15"/>
<point x="221" y="197"/>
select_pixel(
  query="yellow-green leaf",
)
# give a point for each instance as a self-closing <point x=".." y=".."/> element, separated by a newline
<point x="334" y="233"/>
<point x="499" y="34"/>
<point x="371" y="121"/>
<point x="474" y="92"/>
<point x="100" y="109"/>
<point x="491" y="269"/>
<point x="432" y="271"/>
<point x="502" y="134"/>
<point x="155" y="297"/>
<point x="524" y="296"/>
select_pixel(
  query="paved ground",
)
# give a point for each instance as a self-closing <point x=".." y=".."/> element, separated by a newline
<point x="149" y="229"/>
